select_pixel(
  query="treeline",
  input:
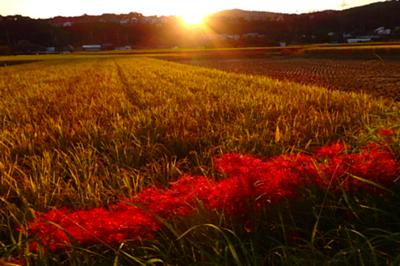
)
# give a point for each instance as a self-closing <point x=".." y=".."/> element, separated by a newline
<point x="20" y="34"/>
<point x="325" y="26"/>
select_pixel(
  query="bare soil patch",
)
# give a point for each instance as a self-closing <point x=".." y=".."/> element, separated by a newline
<point x="373" y="76"/>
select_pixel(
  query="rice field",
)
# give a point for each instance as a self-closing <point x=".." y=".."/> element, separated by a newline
<point x="127" y="160"/>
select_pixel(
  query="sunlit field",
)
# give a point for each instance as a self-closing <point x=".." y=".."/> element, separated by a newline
<point x="126" y="160"/>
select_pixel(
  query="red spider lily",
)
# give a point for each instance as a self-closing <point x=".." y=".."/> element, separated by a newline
<point x="251" y="183"/>
<point x="330" y="151"/>
<point x="179" y="200"/>
<point x="386" y="132"/>
<point x="375" y="164"/>
<point x="238" y="165"/>
<point x="59" y="228"/>
<point x="350" y="171"/>
<point x="234" y="196"/>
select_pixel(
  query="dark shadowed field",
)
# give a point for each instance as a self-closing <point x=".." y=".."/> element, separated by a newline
<point x="378" y="77"/>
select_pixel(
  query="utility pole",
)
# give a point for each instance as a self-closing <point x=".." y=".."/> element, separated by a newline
<point x="8" y="38"/>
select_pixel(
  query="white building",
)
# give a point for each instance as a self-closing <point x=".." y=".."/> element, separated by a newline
<point x="383" y="31"/>
<point x="359" y="39"/>
<point x="67" y="24"/>
<point x="91" y="47"/>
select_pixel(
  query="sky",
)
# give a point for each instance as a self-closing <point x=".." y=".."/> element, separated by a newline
<point x="52" y="8"/>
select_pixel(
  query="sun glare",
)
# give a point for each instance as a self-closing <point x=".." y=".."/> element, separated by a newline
<point x="194" y="13"/>
<point x="193" y="19"/>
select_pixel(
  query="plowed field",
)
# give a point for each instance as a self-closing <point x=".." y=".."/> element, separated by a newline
<point x="376" y="77"/>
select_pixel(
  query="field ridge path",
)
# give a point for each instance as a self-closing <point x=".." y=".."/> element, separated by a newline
<point x="132" y="95"/>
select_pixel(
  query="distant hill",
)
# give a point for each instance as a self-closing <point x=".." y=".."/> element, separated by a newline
<point x="381" y="13"/>
<point x="322" y="26"/>
<point x="113" y="18"/>
<point x="250" y="15"/>
<point x="377" y="21"/>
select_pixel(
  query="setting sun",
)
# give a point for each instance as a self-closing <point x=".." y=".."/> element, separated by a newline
<point x="193" y="19"/>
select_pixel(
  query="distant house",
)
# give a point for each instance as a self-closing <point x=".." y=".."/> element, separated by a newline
<point x="383" y="31"/>
<point x="91" y="47"/>
<point x="67" y="24"/>
<point x="50" y="50"/>
<point x="360" y="39"/>
<point x="125" y="47"/>
<point x="128" y="20"/>
<point x="225" y="36"/>
<point x="347" y="35"/>
<point x="107" y="46"/>
<point x="152" y="20"/>
<point x="67" y="49"/>
<point x="253" y="35"/>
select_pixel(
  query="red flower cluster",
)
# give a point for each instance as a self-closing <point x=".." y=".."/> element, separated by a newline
<point x="251" y="184"/>
<point x="350" y="171"/>
<point x="386" y="132"/>
<point x="134" y="219"/>
<point x="255" y="182"/>
<point x="59" y="228"/>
